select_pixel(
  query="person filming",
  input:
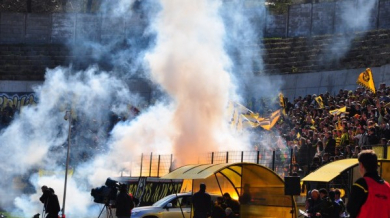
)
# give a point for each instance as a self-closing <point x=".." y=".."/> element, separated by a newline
<point x="124" y="203"/>
<point x="50" y="202"/>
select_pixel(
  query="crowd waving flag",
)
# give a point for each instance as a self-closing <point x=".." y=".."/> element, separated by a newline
<point x="269" y="122"/>
<point x="242" y="117"/>
<point x="366" y="80"/>
<point x="319" y="102"/>
<point x="282" y="103"/>
<point x="338" y="111"/>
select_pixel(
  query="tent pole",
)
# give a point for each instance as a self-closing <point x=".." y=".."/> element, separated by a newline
<point x="192" y="212"/>
<point x="216" y="178"/>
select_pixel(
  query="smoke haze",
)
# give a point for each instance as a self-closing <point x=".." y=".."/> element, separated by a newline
<point x="355" y="17"/>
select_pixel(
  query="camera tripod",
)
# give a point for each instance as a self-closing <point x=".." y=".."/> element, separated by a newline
<point x="108" y="211"/>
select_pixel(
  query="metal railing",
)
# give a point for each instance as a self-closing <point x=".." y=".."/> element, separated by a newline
<point x="278" y="160"/>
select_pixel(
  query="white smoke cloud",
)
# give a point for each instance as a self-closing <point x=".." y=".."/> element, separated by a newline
<point x="189" y="62"/>
<point x="355" y="17"/>
<point x="78" y="200"/>
<point x="35" y="139"/>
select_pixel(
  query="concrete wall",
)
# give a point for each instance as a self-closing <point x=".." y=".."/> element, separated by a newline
<point x="301" y="20"/>
<point x="329" y="81"/>
<point x="140" y="87"/>
<point x="326" y="18"/>
<point x="294" y="84"/>
<point x="323" y="18"/>
<point x="384" y="19"/>
<point x="63" y="28"/>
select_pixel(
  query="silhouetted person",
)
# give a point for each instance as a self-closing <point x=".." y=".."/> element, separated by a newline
<point x="313" y="204"/>
<point x="202" y="203"/>
<point x="218" y="210"/>
<point x="124" y="203"/>
<point x="246" y="197"/>
<point x="50" y="202"/>
<point x="233" y="204"/>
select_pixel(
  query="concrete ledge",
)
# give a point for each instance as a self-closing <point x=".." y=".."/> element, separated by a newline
<point x="330" y="81"/>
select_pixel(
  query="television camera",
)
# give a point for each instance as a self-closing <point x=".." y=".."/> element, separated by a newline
<point x="107" y="193"/>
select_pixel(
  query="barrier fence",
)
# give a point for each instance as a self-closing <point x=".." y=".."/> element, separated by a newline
<point x="279" y="160"/>
<point x="158" y="165"/>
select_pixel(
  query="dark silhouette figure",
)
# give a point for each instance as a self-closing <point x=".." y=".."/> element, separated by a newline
<point x="124" y="203"/>
<point x="231" y="203"/>
<point x="50" y="202"/>
<point x="218" y="209"/>
<point x="202" y="203"/>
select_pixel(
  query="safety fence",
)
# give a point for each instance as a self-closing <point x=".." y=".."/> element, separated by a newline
<point x="278" y="160"/>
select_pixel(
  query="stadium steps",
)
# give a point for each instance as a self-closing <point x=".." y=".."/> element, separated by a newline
<point x="303" y="55"/>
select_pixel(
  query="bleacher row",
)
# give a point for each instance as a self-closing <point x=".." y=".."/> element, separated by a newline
<point x="303" y="55"/>
<point x="281" y="55"/>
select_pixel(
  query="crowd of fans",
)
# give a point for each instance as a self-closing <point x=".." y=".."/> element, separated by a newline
<point x="322" y="203"/>
<point x="318" y="136"/>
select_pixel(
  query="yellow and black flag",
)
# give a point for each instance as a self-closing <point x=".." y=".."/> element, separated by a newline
<point x="241" y="117"/>
<point x="281" y="100"/>
<point x="338" y="111"/>
<point x="339" y="126"/>
<point x="270" y="121"/>
<point x="319" y="102"/>
<point x="366" y="80"/>
<point x="282" y="103"/>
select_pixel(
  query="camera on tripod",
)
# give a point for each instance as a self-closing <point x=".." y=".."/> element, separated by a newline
<point x="106" y="194"/>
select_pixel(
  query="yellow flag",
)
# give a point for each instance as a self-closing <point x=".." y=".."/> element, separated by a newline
<point x="275" y="117"/>
<point x="251" y="116"/>
<point x="241" y="117"/>
<point x="282" y="103"/>
<point x="248" y="122"/>
<point x="298" y="135"/>
<point x="366" y="80"/>
<point x="338" y="111"/>
<point x="270" y="122"/>
<point x="281" y="100"/>
<point x="239" y="124"/>
<point x="319" y="101"/>
<point x="339" y="126"/>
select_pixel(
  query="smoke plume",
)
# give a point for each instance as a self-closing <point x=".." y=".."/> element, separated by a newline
<point x="189" y="62"/>
<point x="36" y="139"/>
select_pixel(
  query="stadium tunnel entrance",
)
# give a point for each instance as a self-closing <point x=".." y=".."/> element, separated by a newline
<point x="259" y="189"/>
